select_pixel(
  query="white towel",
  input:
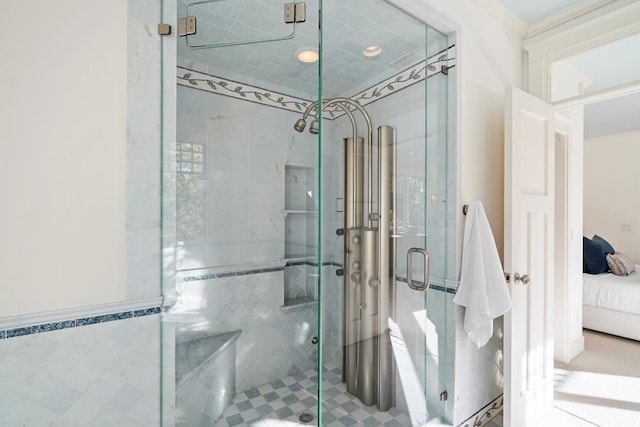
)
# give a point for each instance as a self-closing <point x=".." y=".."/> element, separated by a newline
<point x="482" y="290"/>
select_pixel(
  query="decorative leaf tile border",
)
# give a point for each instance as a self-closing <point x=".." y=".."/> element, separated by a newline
<point x="414" y="74"/>
<point x="209" y="83"/>
<point x="408" y="77"/>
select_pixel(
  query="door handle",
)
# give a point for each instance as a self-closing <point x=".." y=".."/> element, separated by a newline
<point x="425" y="254"/>
<point x="524" y="279"/>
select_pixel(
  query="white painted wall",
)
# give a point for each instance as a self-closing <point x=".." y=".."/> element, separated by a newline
<point x="63" y="144"/>
<point x="489" y="59"/>
<point x="611" y="189"/>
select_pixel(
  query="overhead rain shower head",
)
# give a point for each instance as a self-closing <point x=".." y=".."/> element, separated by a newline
<point x="300" y="125"/>
<point x="314" y="128"/>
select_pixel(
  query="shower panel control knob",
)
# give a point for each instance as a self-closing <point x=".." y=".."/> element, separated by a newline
<point x="340" y="231"/>
<point x="355" y="240"/>
<point x="339" y="272"/>
<point x="355" y="277"/>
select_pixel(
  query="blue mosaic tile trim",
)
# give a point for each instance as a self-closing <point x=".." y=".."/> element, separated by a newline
<point x="147" y="312"/>
<point x="85" y="321"/>
<point x="443" y="289"/>
<point x="431" y="286"/>
<point x="18" y="332"/>
<point x="48" y="327"/>
<point x="104" y="318"/>
<point x="256" y="271"/>
<point x="295" y="263"/>
<point x="230" y="274"/>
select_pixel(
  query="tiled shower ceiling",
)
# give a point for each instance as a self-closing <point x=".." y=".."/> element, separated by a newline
<point x="349" y="27"/>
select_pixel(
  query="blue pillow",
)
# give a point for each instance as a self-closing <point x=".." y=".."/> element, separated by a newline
<point x="606" y="246"/>
<point x="594" y="260"/>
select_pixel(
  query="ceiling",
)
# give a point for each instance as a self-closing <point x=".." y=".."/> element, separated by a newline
<point x="602" y="67"/>
<point x="348" y="28"/>
<point x="534" y="10"/>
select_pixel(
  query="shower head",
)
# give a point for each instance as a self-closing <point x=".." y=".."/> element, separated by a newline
<point x="314" y="127"/>
<point x="300" y="125"/>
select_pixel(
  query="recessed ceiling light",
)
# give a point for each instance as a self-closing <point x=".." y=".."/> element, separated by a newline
<point x="372" y="51"/>
<point x="307" y="55"/>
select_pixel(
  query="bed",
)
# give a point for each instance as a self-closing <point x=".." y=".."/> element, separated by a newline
<point x="611" y="303"/>
<point x="611" y="290"/>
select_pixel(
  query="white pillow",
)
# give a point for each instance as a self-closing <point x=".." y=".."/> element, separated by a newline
<point x="620" y="264"/>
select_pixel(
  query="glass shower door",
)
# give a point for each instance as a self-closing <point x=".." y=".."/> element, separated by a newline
<point x="291" y="205"/>
<point x="240" y="214"/>
<point x="386" y="179"/>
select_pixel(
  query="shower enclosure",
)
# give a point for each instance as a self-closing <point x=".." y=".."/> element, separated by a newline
<point x="308" y="197"/>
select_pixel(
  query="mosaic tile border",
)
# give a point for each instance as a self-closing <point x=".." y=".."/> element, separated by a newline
<point x="222" y="86"/>
<point x="486" y="414"/>
<point x="434" y="286"/>
<point x="83" y="321"/>
<point x="413" y="74"/>
<point x="214" y="84"/>
<point x="253" y="271"/>
<point x="208" y="276"/>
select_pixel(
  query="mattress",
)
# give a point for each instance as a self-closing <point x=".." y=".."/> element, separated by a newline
<point x="620" y="293"/>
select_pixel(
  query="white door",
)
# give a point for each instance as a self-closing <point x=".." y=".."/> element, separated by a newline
<point x="531" y="129"/>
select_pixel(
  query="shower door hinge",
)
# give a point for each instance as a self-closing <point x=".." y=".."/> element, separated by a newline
<point x="164" y="29"/>
<point x="444" y="396"/>
<point x="187" y="26"/>
<point x="295" y="12"/>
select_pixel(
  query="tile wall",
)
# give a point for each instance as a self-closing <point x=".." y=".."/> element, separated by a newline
<point x="92" y="368"/>
<point x="102" y="374"/>
<point x="236" y="236"/>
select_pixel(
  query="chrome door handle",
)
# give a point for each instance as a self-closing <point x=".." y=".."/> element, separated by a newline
<point x="410" y="269"/>
<point x="524" y="279"/>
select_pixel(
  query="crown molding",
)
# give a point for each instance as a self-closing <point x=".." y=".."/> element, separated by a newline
<point x="570" y="14"/>
<point x="621" y="17"/>
<point x="499" y="11"/>
<point x="617" y="137"/>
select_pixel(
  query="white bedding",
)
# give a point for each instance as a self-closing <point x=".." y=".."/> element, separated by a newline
<point x="620" y="293"/>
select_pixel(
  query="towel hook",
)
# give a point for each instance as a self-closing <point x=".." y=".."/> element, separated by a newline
<point x="465" y="209"/>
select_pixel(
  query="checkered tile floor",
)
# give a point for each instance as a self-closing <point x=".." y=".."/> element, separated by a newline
<point x="281" y="403"/>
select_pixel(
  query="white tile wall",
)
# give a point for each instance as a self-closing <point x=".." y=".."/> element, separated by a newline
<point x="268" y="142"/>
<point x="273" y="343"/>
<point x="99" y="375"/>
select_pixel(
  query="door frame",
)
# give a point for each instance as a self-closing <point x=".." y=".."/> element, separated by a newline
<point x="551" y="40"/>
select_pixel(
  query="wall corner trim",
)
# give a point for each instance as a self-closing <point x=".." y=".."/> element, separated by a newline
<point x="512" y="21"/>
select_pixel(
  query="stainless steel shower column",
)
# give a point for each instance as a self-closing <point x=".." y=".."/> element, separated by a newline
<point x="353" y="214"/>
<point x="386" y="263"/>
<point x="369" y="272"/>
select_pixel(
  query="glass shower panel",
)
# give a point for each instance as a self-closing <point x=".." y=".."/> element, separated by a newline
<point x="386" y="181"/>
<point x="231" y="22"/>
<point x="240" y="220"/>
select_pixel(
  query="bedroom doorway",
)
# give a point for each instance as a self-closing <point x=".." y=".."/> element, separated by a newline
<point x="545" y="49"/>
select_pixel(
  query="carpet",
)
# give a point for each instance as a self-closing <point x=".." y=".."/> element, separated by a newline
<point x="602" y="385"/>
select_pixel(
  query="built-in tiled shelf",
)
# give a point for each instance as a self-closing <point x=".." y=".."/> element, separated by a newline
<point x="287" y="212"/>
<point x="290" y="259"/>
<point x="300" y="215"/>
<point x="297" y="304"/>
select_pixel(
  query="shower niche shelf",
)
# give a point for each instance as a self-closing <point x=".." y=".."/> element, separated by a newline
<point x="287" y="212"/>
<point x="300" y="214"/>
